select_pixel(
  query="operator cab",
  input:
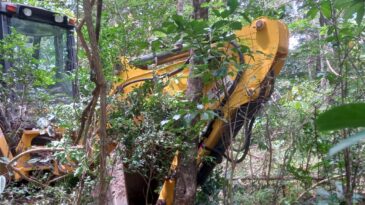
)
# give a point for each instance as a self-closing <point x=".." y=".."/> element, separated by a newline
<point x="48" y="34"/>
<point x="37" y="59"/>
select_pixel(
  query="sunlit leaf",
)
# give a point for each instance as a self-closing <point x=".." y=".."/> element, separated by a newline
<point x="176" y="117"/>
<point x="326" y="9"/>
<point x="2" y="183"/>
<point x="312" y="13"/>
<point x="347" y="143"/>
<point x="205" y="116"/>
<point x="353" y="8"/>
<point x="164" y="122"/>
<point x="246" y="17"/>
<point x="225" y="13"/>
<point x="341" y="3"/>
<point x="4" y="160"/>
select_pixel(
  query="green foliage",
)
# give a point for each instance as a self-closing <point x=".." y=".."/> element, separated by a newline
<point x="348" y="8"/>
<point x="209" y="192"/>
<point x="351" y="8"/>
<point x="152" y="125"/>
<point x="29" y="194"/>
<point x="326" y="8"/>
<point x="147" y="147"/>
<point x="166" y="118"/>
<point x="128" y="30"/>
<point x="61" y="6"/>
<point x="14" y="49"/>
<point x="345" y="116"/>
<point x="300" y="174"/>
<point x="209" y="40"/>
<point x="253" y="9"/>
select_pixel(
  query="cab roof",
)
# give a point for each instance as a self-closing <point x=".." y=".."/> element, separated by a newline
<point x="36" y="14"/>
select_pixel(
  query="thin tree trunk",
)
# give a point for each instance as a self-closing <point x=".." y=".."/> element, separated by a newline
<point x="187" y="171"/>
<point x="199" y="12"/>
<point x="343" y="89"/>
<point x="180" y="7"/>
<point x="95" y="62"/>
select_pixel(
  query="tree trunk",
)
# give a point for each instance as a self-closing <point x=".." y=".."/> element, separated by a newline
<point x="180" y="7"/>
<point x="185" y="190"/>
<point x="96" y="67"/>
<point x="199" y="12"/>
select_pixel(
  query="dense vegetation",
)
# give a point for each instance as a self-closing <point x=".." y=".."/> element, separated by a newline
<point x="306" y="144"/>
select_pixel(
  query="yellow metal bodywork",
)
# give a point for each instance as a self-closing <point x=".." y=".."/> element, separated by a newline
<point x="269" y="47"/>
<point x="4" y="152"/>
<point x="168" y="188"/>
<point x="22" y="164"/>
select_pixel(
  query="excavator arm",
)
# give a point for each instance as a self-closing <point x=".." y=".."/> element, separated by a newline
<point x="248" y="90"/>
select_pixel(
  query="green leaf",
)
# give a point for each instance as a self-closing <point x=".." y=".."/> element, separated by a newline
<point x="205" y="116"/>
<point x="205" y="5"/>
<point x="345" y="116"/>
<point x="360" y="13"/>
<point x="216" y="12"/>
<point x="246" y="17"/>
<point x="356" y="7"/>
<point x="225" y="13"/>
<point x="341" y="3"/>
<point x="236" y="25"/>
<point x="348" y="13"/>
<point x="312" y="13"/>
<point x="176" y="117"/>
<point x="159" y="34"/>
<point x="78" y="171"/>
<point x="156" y="44"/>
<point x="198" y="26"/>
<point x="326" y="9"/>
<point x="347" y="143"/>
<point x="219" y="24"/>
<point x="232" y="4"/>
<point x="169" y="27"/>
<point x="179" y="20"/>
<point x="141" y="44"/>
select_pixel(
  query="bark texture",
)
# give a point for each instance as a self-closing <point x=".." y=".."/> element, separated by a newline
<point x="180" y="7"/>
<point x="93" y="54"/>
<point x="186" y="185"/>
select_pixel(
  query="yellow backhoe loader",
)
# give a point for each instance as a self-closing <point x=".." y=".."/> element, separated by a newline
<point x="247" y="89"/>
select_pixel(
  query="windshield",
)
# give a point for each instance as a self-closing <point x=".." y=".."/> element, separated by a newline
<point x="49" y="45"/>
<point x="38" y="76"/>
